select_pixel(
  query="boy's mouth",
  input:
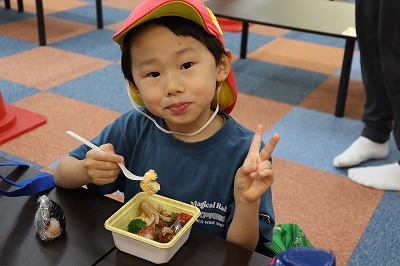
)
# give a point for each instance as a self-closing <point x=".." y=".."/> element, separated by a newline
<point x="178" y="107"/>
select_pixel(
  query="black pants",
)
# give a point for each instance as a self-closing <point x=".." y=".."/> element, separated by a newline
<point x="378" y="33"/>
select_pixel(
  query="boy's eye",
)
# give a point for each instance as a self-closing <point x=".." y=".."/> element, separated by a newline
<point x="187" y="65"/>
<point x="154" y="74"/>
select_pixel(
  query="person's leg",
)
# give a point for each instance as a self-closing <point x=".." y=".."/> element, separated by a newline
<point x="390" y="43"/>
<point x="387" y="177"/>
<point x="377" y="116"/>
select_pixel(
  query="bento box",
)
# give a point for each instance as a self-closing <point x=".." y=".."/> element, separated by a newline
<point x="143" y="247"/>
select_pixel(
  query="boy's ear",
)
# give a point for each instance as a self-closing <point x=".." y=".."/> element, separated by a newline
<point x="224" y="66"/>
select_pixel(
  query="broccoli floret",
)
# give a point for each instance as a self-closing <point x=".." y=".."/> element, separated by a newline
<point x="136" y="225"/>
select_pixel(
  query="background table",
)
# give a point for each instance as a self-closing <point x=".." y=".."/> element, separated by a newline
<point x="329" y="18"/>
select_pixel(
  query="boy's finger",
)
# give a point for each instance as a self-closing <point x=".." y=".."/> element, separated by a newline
<point x="109" y="154"/>
<point x="266" y="153"/>
<point x="255" y="145"/>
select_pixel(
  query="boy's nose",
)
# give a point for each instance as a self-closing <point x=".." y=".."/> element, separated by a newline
<point x="173" y="86"/>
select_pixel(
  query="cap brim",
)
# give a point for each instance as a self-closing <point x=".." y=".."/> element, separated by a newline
<point x="157" y="10"/>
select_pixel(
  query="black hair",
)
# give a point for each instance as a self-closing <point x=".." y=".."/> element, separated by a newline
<point x="180" y="27"/>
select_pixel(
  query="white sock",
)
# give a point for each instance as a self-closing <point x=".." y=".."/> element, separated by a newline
<point x="360" y="151"/>
<point x="385" y="177"/>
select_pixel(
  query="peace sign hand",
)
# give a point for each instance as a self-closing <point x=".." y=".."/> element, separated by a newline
<point x="256" y="175"/>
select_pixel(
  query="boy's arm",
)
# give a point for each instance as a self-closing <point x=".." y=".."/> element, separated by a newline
<point x="71" y="173"/>
<point x="99" y="167"/>
<point x="252" y="180"/>
<point x="244" y="229"/>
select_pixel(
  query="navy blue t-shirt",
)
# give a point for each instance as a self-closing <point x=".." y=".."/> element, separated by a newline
<point x="200" y="173"/>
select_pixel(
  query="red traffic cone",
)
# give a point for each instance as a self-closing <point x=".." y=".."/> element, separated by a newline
<point x="15" y="121"/>
<point x="7" y="119"/>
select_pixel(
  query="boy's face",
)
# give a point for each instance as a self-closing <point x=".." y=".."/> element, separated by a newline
<point x="175" y="76"/>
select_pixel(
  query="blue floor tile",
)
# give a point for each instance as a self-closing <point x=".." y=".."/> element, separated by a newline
<point x="314" y="138"/>
<point x="12" y="15"/>
<point x="13" y="92"/>
<point x="105" y="88"/>
<point x="97" y="43"/>
<point x="276" y="82"/>
<point x="87" y="15"/>
<point x="377" y="244"/>
<point x="255" y="41"/>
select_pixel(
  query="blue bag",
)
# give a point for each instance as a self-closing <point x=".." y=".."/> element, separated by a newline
<point x="36" y="184"/>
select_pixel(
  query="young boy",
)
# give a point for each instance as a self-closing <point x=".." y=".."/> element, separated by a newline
<point x="176" y="66"/>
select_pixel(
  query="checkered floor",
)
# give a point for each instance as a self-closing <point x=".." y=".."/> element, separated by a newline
<point x="288" y="83"/>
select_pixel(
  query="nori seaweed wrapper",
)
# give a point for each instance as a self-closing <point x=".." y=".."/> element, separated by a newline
<point x="50" y="220"/>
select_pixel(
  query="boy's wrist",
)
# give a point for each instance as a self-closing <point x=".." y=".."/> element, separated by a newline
<point x="87" y="178"/>
<point x="240" y="201"/>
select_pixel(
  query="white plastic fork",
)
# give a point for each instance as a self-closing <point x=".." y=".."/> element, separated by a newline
<point x="126" y="172"/>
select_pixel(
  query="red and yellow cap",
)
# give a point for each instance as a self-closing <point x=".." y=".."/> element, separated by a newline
<point x="194" y="10"/>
